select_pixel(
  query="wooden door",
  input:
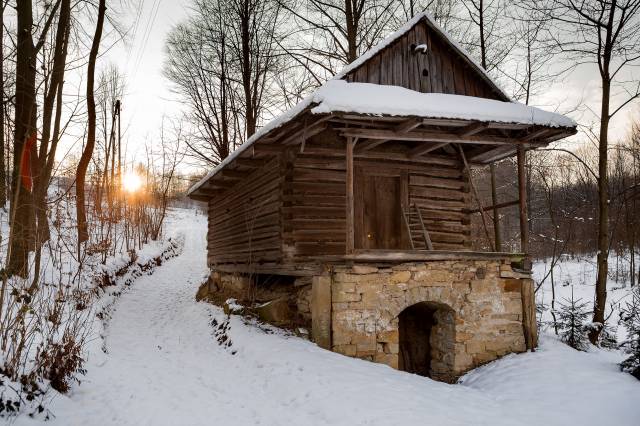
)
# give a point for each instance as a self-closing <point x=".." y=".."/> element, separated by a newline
<point x="378" y="211"/>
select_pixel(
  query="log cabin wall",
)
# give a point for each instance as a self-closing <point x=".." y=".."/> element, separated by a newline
<point x="244" y="222"/>
<point x="314" y="195"/>
<point x="436" y="69"/>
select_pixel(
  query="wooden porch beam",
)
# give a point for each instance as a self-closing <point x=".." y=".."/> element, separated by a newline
<point x="408" y="125"/>
<point x="423" y="136"/>
<point x="485" y="156"/>
<point x="473" y="128"/>
<point x="425" y="149"/>
<point x="537" y="134"/>
<point x="365" y="146"/>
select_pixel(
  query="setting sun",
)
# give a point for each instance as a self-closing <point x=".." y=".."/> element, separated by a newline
<point x="131" y="181"/>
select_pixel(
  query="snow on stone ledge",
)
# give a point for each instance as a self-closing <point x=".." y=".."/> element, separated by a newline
<point x="374" y="99"/>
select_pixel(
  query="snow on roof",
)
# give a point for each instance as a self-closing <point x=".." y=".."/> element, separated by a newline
<point x="404" y="29"/>
<point x="381" y="100"/>
<point x="280" y="120"/>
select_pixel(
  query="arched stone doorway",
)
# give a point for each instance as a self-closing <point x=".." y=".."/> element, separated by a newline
<point x="427" y="340"/>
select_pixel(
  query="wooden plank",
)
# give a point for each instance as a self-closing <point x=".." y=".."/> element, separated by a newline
<point x="529" y="322"/>
<point x="350" y="235"/>
<point x="425" y="149"/>
<point x="426" y="136"/>
<point x="522" y="195"/>
<point x="426" y="255"/>
<point x="497" y="206"/>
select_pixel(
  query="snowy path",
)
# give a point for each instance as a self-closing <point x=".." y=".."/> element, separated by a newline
<point x="165" y="368"/>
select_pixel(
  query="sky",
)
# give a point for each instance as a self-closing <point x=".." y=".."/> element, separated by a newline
<point x="148" y="93"/>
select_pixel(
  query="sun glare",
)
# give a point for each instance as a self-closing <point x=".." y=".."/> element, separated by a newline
<point x="131" y="182"/>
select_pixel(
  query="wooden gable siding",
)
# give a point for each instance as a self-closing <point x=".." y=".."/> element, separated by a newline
<point x="245" y="222"/>
<point x="439" y="70"/>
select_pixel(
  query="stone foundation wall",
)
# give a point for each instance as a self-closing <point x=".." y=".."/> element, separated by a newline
<point x="293" y="292"/>
<point x="484" y="322"/>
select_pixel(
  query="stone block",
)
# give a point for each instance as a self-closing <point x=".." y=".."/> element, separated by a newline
<point x="400" y="277"/>
<point x="348" y="350"/>
<point x="391" y="348"/>
<point x="390" y="359"/>
<point x="364" y="269"/>
<point x="391" y="336"/>
<point x="274" y="311"/>
<point x="474" y="346"/>
<point x="344" y="287"/>
<point x="512" y="285"/>
<point x="341" y="296"/>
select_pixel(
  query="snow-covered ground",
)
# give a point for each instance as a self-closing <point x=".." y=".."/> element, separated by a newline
<point x="165" y="367"/>
<point x="578" y="275"/>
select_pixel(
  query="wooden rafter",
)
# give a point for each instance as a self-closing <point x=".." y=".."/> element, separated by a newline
<point x="408" y="125"/>
<point x="425" y="149"/>
<point x="365" y="146"/>
<point x="473" y="129"/>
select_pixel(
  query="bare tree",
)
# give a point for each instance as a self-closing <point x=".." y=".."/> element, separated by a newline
<point x="24" y="146"/>
<point x="605" y="33"/>
<point x="3" y="177"/>
<point x="336" y="32"/>
<point x="83" y="233"/>
<point x="223" y="60"/>
<point x="491" y="35"/>
<point x="197" y="64"/>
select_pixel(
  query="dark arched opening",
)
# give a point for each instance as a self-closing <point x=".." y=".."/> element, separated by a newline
<point x="427" y="340"/>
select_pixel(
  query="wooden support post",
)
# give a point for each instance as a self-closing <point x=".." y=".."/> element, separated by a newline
<point x="530" y="326"/>
<point x="496" y="216"/>
<point x="522" y="193"/>
<point x="321" y="311"/>
<point x="350" y="215"/>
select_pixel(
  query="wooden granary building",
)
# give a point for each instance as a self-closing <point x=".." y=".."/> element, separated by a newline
<point x="354" y="209"/>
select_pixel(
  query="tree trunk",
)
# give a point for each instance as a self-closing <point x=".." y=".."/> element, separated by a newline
<point x="352" y="31"/>
<point x="483" y="48"/>
<point x="83" y="232"/>
<point x="245" y="23"/>
<point x="24" y="125"/>
<point x="3" y="176"/>
<point x="44" y="168"/>
<point x="603" y="214"/>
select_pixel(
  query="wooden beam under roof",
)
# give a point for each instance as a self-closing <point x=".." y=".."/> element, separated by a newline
<point x="473" y="129"/>
<point x="492" y="155"/>
<point x="367" y="145"/>
<point x="408" y="125"/>
<point x="430" y="136"/>
<point x="425" y="149"/>
<point x="538" y="133"/>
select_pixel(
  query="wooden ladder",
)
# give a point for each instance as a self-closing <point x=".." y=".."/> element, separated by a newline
<point x="418" y="234"/>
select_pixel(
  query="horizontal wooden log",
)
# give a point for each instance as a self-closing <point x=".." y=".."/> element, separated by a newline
<point x="432" y="182"/>
<point x="438" y="193"/>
